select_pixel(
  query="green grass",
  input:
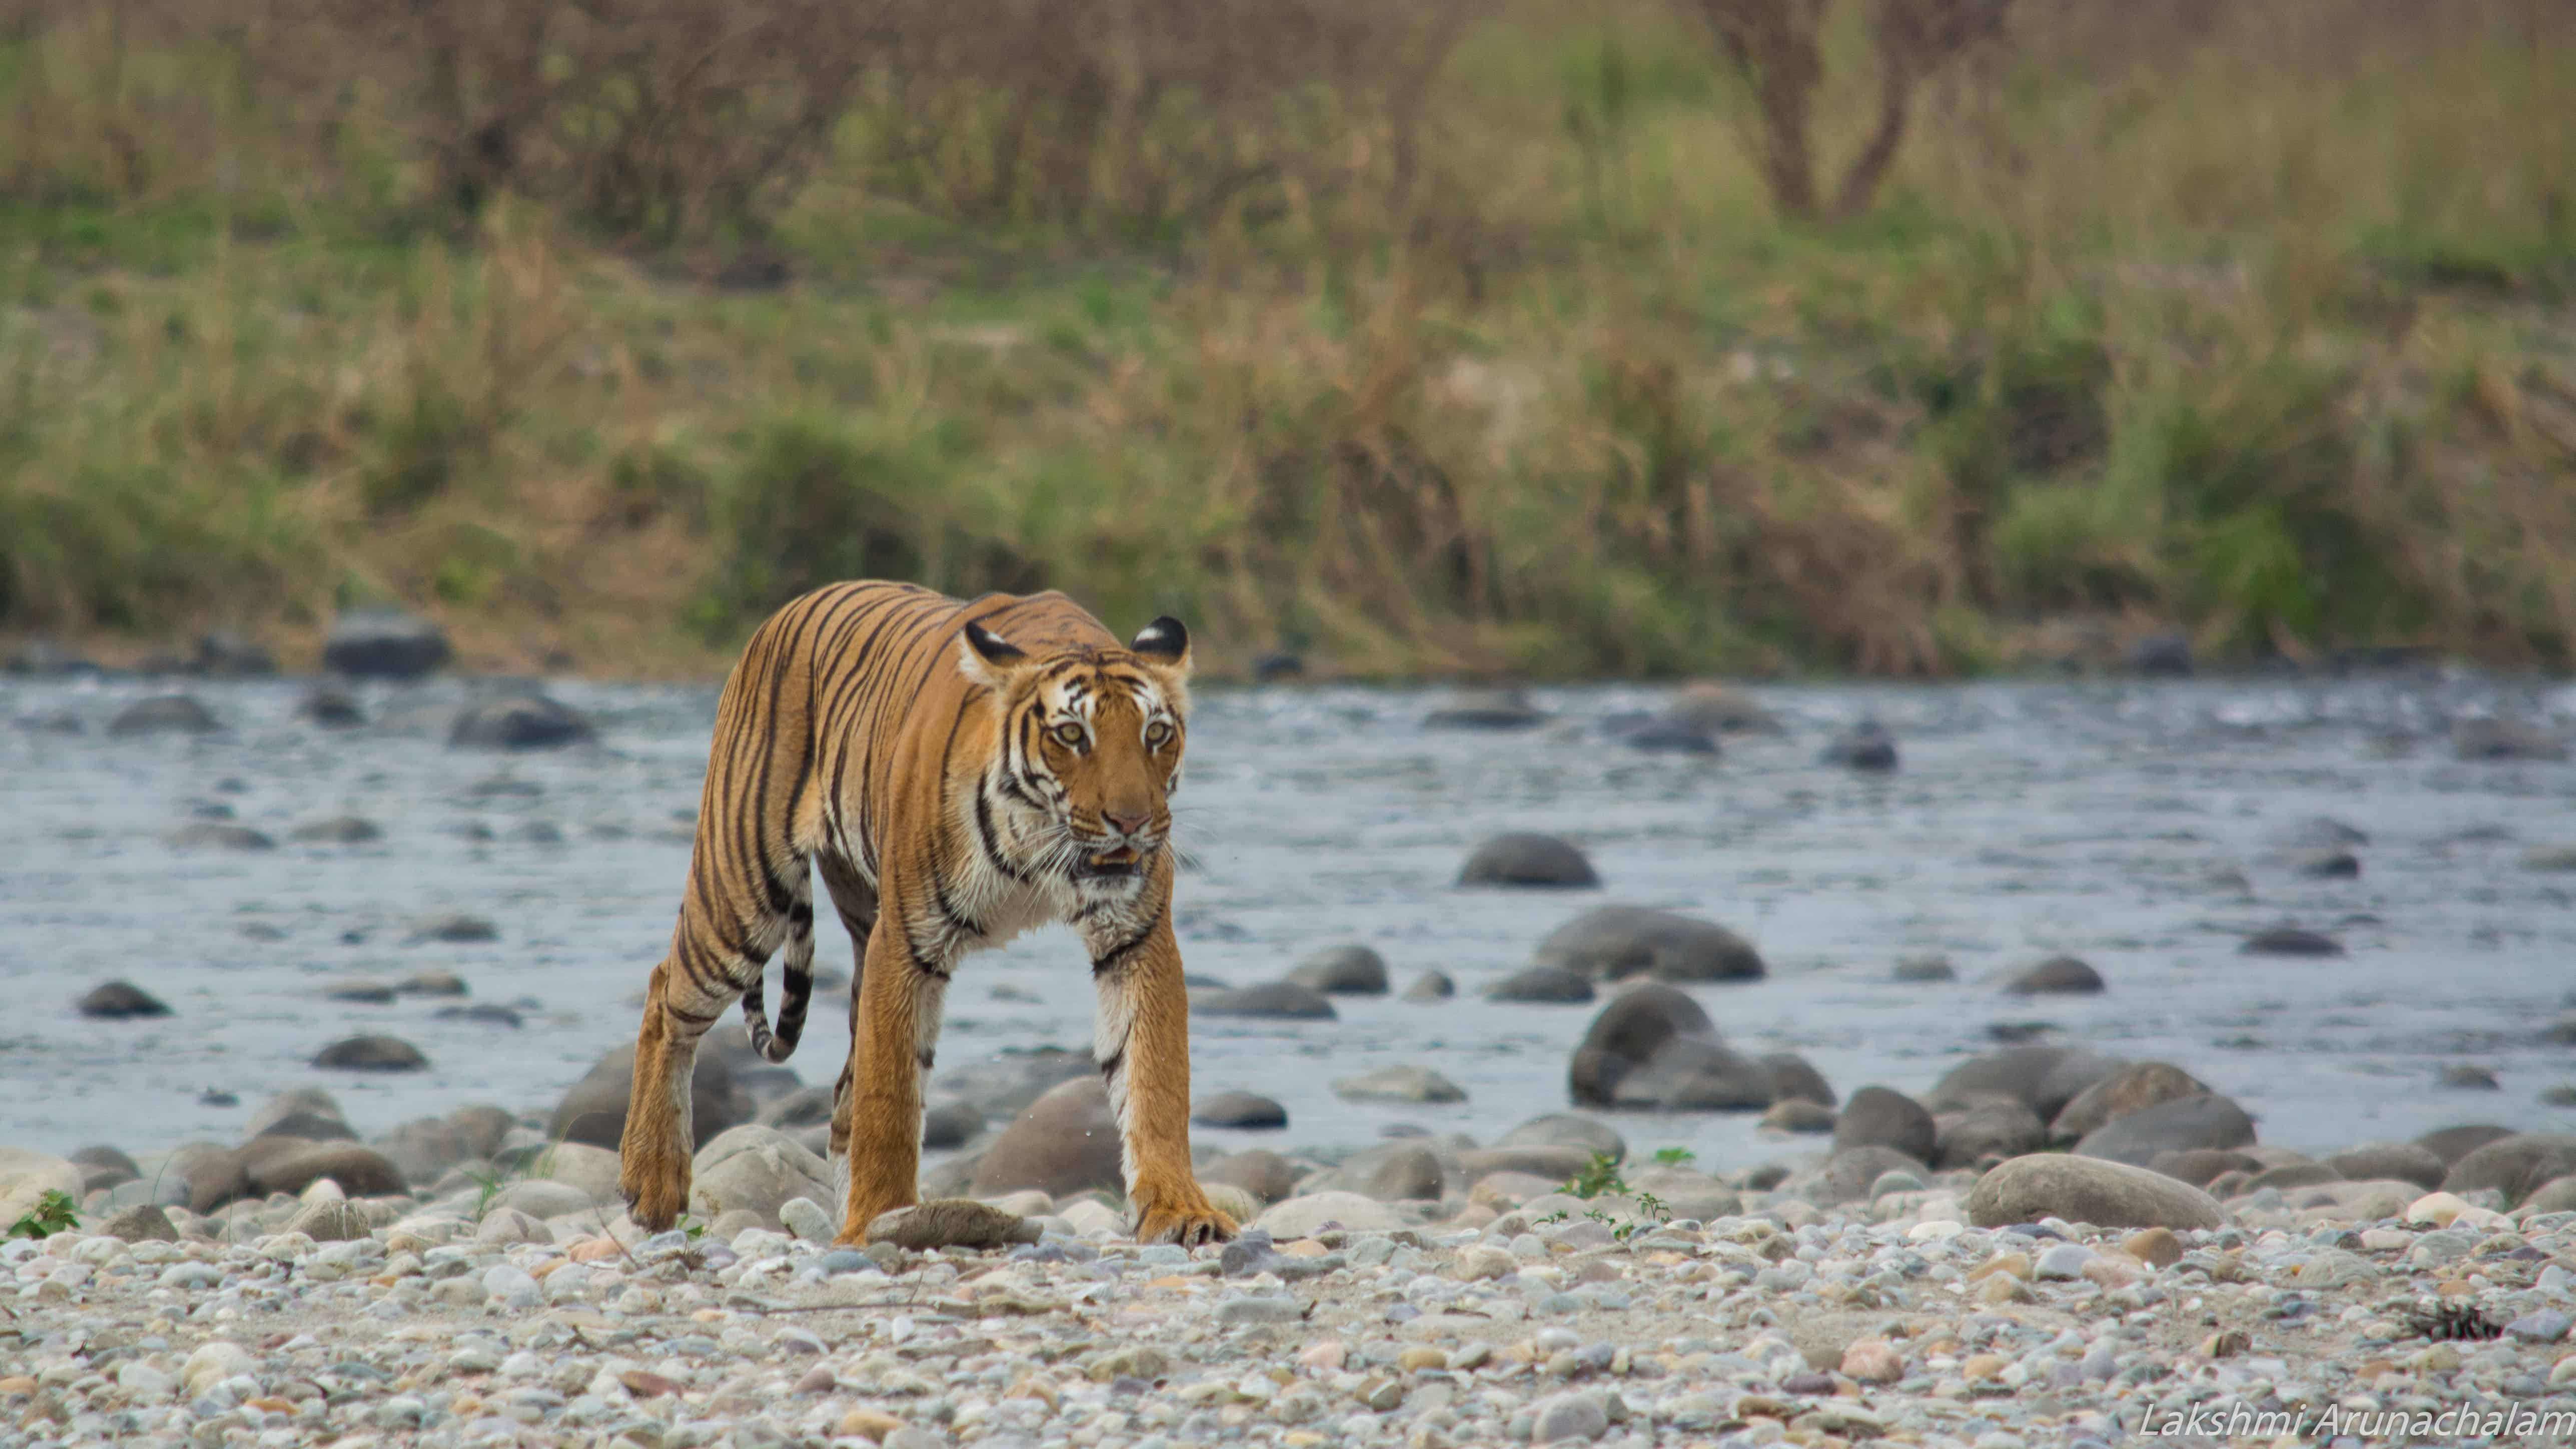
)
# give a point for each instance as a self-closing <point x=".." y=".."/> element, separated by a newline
<point x="2263" y="338"/>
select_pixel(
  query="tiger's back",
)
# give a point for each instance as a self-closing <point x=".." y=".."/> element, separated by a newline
<point x="934" y="760"/>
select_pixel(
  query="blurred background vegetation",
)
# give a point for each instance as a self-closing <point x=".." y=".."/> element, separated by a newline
<point x="1557" y="337"/>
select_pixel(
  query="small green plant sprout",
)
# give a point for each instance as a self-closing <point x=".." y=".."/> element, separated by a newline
<point x="1602" y="1176"/>
<point x="1558" y="1216"/>
<point x="1654" y="1207"/>
<point x="1675" y="1157"/>
<point x="55" y="1212"/>
<point x="1598" y="1216"/>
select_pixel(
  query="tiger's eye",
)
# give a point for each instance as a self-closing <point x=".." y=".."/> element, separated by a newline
<point x="1068" y="734"/>
<point x="1157" y="735"/>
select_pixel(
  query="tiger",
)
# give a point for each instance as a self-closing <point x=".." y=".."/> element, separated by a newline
<point x="957" y="772"/>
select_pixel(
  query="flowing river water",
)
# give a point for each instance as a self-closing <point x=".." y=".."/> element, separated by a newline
<point x="2144" y="827"/>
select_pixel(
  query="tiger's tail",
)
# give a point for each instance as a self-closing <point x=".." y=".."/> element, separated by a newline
<point x="792" y="1001"/>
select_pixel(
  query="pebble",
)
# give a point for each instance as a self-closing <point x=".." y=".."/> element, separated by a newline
<point x="1412" y="1338"/>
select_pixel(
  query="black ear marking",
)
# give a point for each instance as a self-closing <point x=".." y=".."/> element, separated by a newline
<point x="1162" y="639"/>
<point x="992" y="647"/>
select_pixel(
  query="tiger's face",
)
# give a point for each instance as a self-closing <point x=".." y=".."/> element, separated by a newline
<point x="1090" y="744"/>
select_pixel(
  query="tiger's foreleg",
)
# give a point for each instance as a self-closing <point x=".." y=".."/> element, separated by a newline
<point x="1142" y="1043"/>
<point x="877" y="1118"/>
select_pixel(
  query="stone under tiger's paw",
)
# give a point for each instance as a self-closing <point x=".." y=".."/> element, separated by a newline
<point x="1187" y="1219"/>
<point x="856" y="1217"/>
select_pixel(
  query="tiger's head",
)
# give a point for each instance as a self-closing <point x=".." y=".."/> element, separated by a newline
<point x="1089" y="743"/>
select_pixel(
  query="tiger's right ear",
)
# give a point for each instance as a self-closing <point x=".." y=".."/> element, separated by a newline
<point x="987" y="657"/>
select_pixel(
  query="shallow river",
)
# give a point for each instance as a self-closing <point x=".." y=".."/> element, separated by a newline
<point x="2143" y="827"/>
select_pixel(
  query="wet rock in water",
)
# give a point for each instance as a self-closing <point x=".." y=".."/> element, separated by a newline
<point x="292" y="1164"/>
<point x="1793" y="1076"/>
<point x="1849" y="1174"/>
<point x="2133" y="1088"/>
<point x="2160" y="656"/>
<point x="1273" y="665"/>
<point x="1612" y="943"/>
<point x="1925" y="968"/>
<point x="120" y="1001"/>
<point x="2057" y="976"/>
<point x="304" y="1127"/>
<point x="1987" y="1133"/>
<point x="2208" y="1120"/>
<point x="487" y="1013"/>
<point x="2290" y="941"/>
<point x="2516" y="1166"/>
<point x="2321" y="832"/>
<point x="2088" y="1190"/>
<point x="1865" y="746"/>
<point x="1065" y="1143"/>
<point x="1658" y="735"/>
<point x="519" y="722"/>
<point x="947" y="1125"/>
<point x="1431" y="986"/>
<point x="1797" y="1114"/>
<point x="1878" y="1117"/>
<point x="951" y="1223"/>
<point x="104" y="1166"/>
<point x="1282" y="999"/>
<point x="1305" y="1215"/>
<point x="1567" y="1129"/>
<point x="2463" y="1076"/>
<point x="2559" y="1033"/>
<point x="2453" y="1143"/>
<point x="593" y="1110"/>
<point x="141" y="1223"/>
<point x="1653" y="1047"/>
<point x="1715" y="708"/>
<point x="1525" y="859"/>
<point x="432" y="982"/>
<point x="379" y="993"/>
<point x="1398" y="1084"/>
<point x="1485" y="709"/>
<point x="384" y="644"/>
<point x="1342" y="971"/>
<point x="217" y="835"/>
<point x="1239" y="1109"/>
<point x="457" y="930"/>
<point x="371" y="1054"/>
<point x="163" y="714"/>
<point x="1265" y="1175"/>
<point x="1545" y="984"/>
<point x="2327" y="865"/>
<point x="338" y="830"/>
<point x="332" y="709"/>
<point x="2498" y="739"/>
<point x="2559" y="1096"/>
<point x="2042" y="1078"/>
<point x="757" y="1170"/>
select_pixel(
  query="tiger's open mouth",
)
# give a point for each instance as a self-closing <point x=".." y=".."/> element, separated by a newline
<point x="1110" y="864"/>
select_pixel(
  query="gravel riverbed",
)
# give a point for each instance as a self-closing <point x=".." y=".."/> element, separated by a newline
<point x="400" y="1321"/>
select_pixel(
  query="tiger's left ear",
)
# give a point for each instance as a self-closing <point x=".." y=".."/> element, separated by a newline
<point x="1164" y="642"/>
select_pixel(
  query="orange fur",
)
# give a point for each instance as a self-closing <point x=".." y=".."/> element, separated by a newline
<point x="958" y="772"/>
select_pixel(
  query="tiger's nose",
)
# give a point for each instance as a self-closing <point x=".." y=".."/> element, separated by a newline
<point x="1125" y="823"/>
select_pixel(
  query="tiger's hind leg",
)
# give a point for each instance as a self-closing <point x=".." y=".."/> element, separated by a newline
<point x="655" y="1151"/>
<point x="715" y="957"/>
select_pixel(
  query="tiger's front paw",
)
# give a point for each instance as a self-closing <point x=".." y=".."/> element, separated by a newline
<point x="654" y="1177"/>
<point x="1182" y="1216"/>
